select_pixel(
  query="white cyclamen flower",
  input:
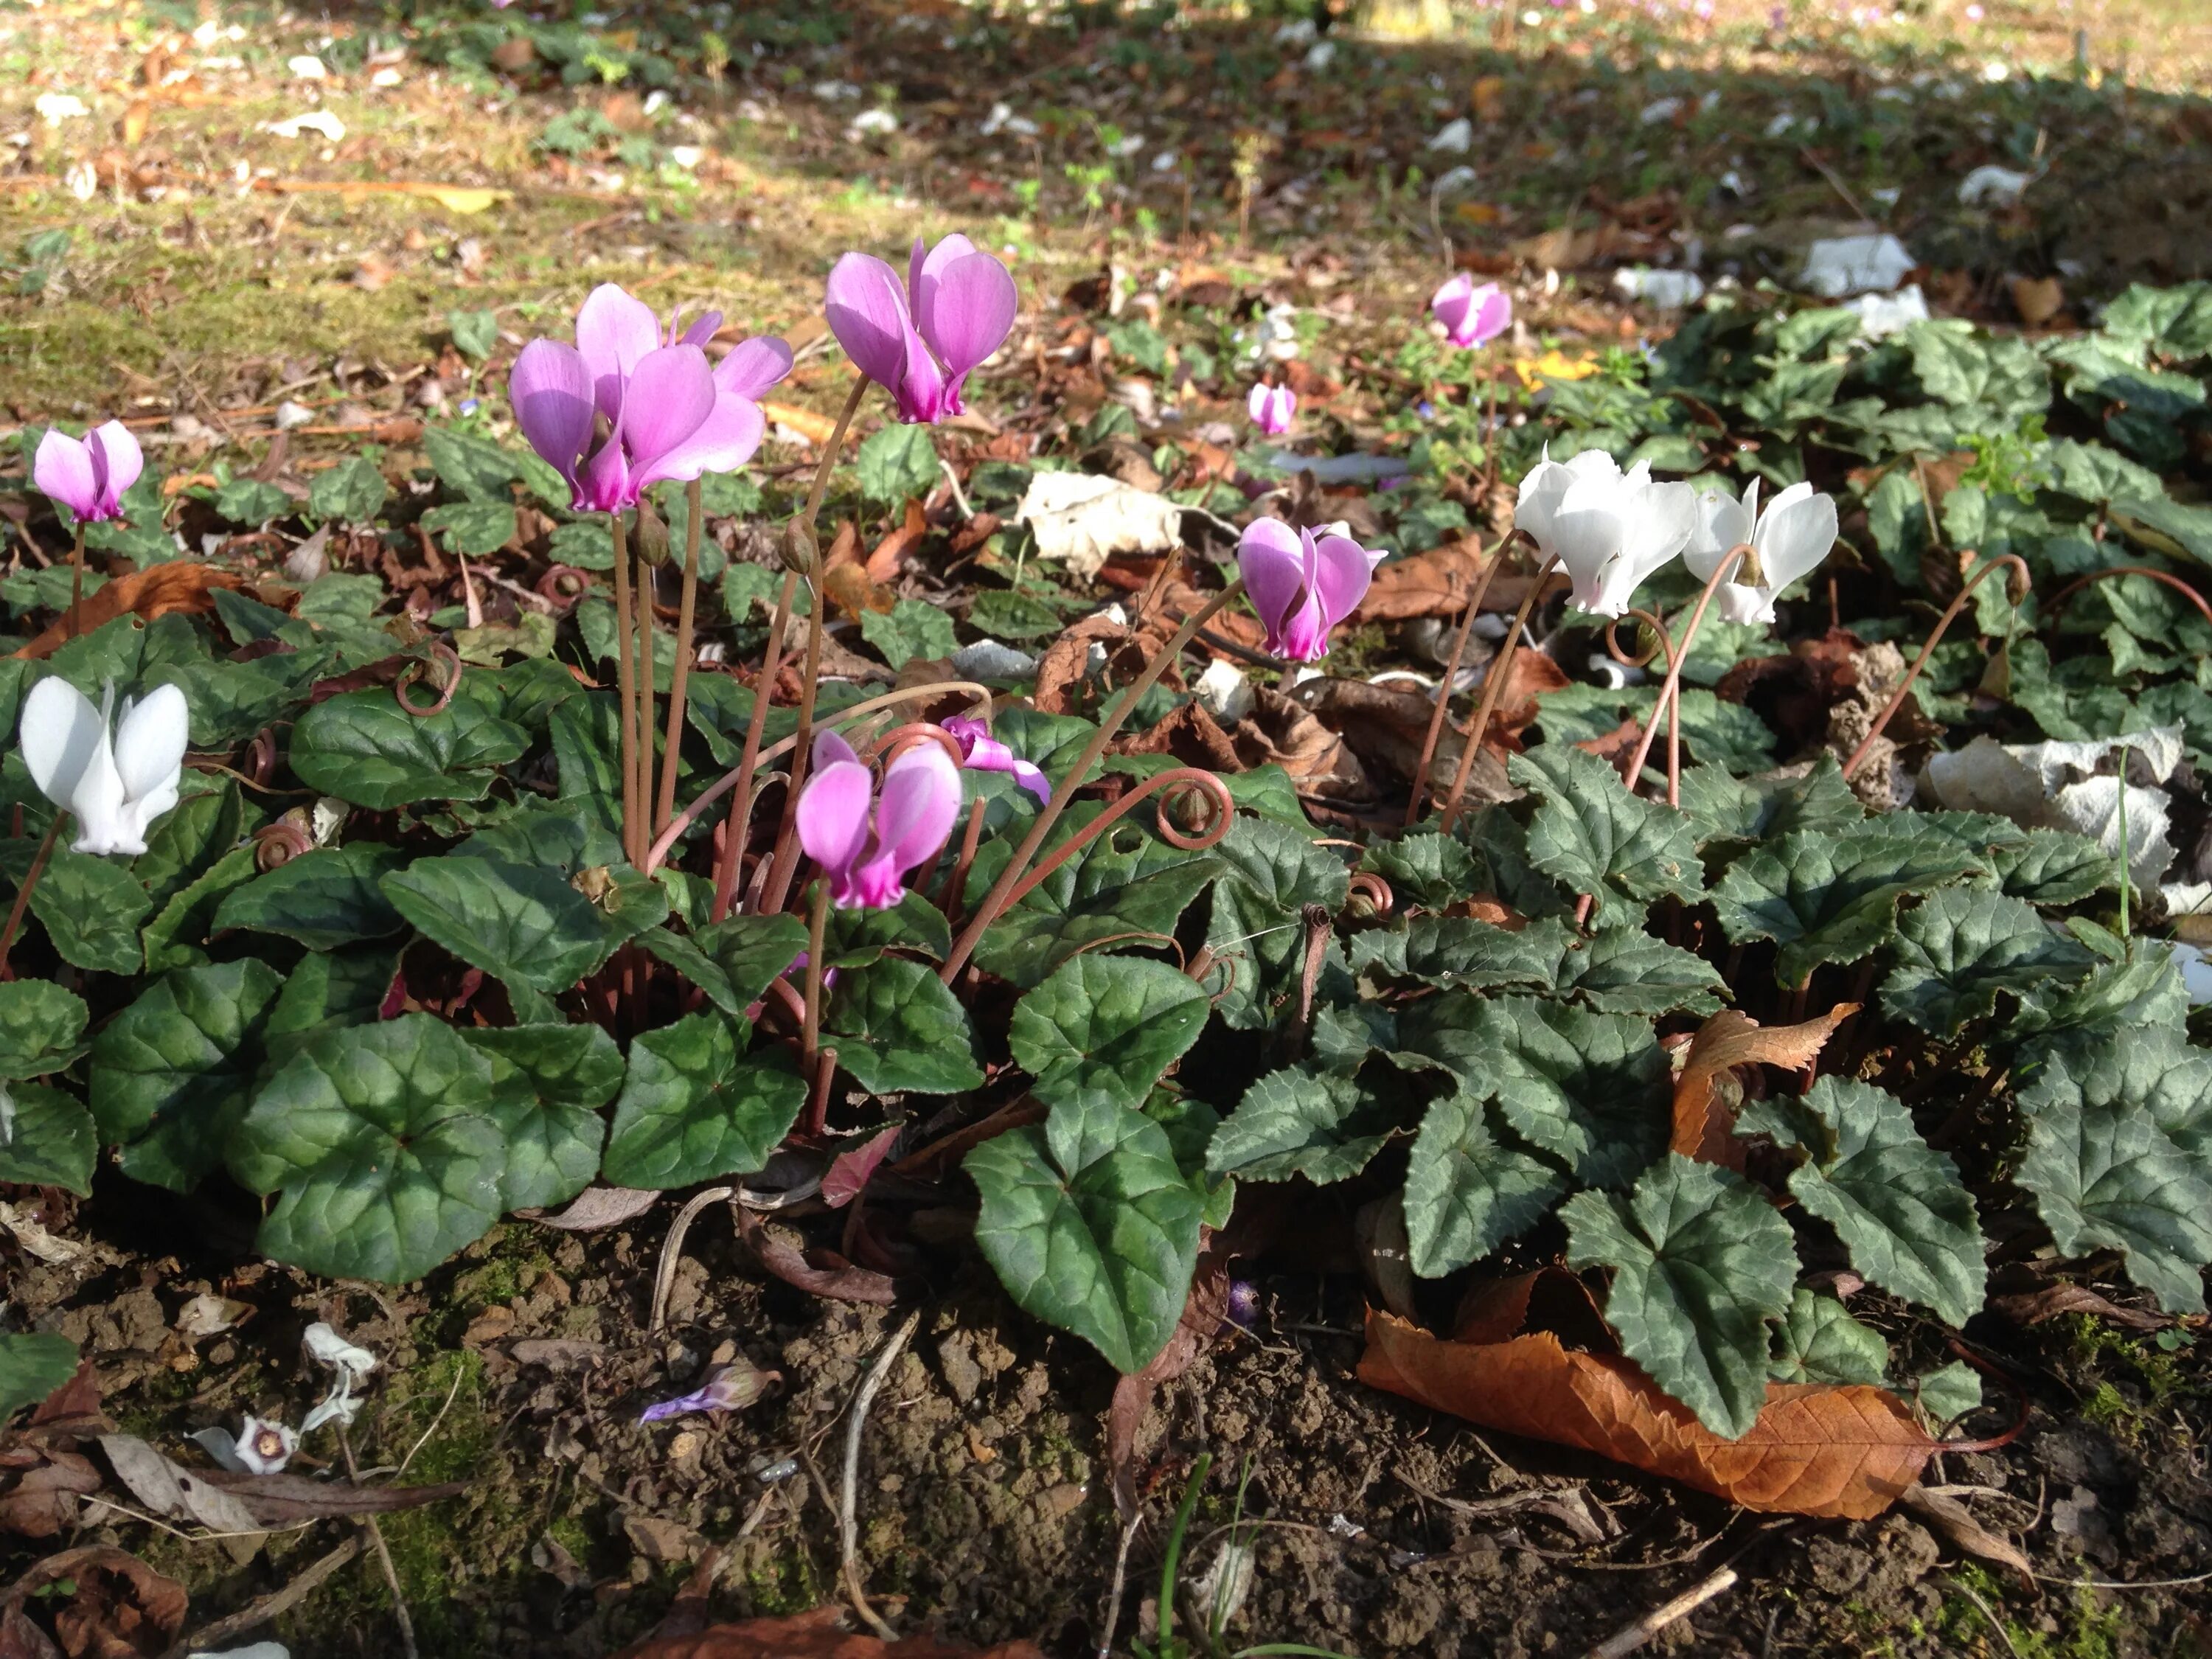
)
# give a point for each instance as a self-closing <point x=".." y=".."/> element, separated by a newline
<point x="115" y="785"/>
<point x="1609" y="529"/>
<point x="1790" y="538"/>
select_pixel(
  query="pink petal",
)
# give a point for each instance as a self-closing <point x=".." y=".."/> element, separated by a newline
<point x="669" y="396"/>
<point x="966" y="309"/>
<point x="605" y="485"/>
<point x="1450" y="303"/>
<point x="700" y="332"/>
<point x="866" y="310"/>
<point x="117" y="461"/>
<point x="1271" y="558"/>
<point x="833" y="817"/>
<point x="551" y="391"/>
<point x="1342" y="570"/>
<point x="63" y="469"/>
<point x="920" y="803"/>
<point x="754" y="367"/>
<point x="829" y="748"/>
<point x="724" y="441"/>
<point x="615" y="331"/>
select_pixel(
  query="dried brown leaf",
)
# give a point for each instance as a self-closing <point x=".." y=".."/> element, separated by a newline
<point x="1814" y="1450"/>
<point x="819" y="1272"/>
<point x="1436" y="583"/>
<point x="119" y="1608"/>
<point x="282" y="1500"/>
<point x="181" y="585"/>
<point x="598" y="1207"/>
<point x="816" y="1635"/>
<point x="1946" y="1516"/>
<point x="1704" y="1105"/>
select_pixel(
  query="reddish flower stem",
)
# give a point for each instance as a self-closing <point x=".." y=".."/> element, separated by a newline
<point x="1451" y="673"/>
<point x="2026" y="581"/>
<point x="1671" y="690"/>
<point x="23" y="893"/>
<point x="626" y="690"/>
<point x="1494" y="687"/>
<point x="741" y="809"/>
<point x="686" y="613"/>
<point x="1186" y="777"/>
<point x="2178" y="586"/>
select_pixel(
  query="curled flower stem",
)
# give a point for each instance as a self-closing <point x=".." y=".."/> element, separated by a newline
<point x="23" y="893"/>
<point x="1451" y="673"/>
<point x="626" y="689"/>
<point x="899" y="739"/>
<point x="741" y="809"/>
<point x="1494" y="687"/>
<point x="1670" y="693"/>
<point x="1223" y="811"/>
<point x="2174" y="582"/>
<point x="2025" y="580"/>
<point x="755" y="758"/>
<point x="786" y="844"/>
<point x="687" y="612"/>
<point x="1002" y="889"/>
<point x="440" y="652"/>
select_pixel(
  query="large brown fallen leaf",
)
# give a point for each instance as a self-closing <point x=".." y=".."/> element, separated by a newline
<point x="154" y="592"/>
<point x="816" y="1635"/>
<point x="1705" y="1096"/>
<point x="1435" y="583"/>
<point x="1816" y="1450"/>
<point x="108" y="1605"/>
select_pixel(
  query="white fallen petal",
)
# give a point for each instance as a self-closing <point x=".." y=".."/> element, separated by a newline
<point x="1990" y="187"/>
<point x="319" y="121"/>
<point x="1670" y="290"/>
<point x="1456" y="139"/>
<point x="325" y="1345"/>
<point x="1224" y="692"/>
<point x="1081" y="520"/>
<point x="992" y="660"/>
<point x="1882" y="315"/>
<point x="56" y="107"/>
<point x="306" y="67"/>
<point x="1854" y="265"/>
<point x="874" y="121"/>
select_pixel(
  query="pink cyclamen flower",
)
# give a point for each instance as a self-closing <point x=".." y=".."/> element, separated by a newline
<point x="866" y="863"/>
<point x="1471" y="315"/>
<point x="1271" y="408"/>
<point x="1302" y="586"/>
<point x="985" y="753"/>
<point x="90" y="475"/>
<point x="670" y="415"/>
<point x="920" y="339"/>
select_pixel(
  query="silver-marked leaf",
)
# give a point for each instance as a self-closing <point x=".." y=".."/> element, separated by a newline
<point x="90" y="907"/>
<point x="1898" y="1205"/>
<point x="173" y="1073"/>
<point x="174" y="937"/>
<point x="1624" y="970"/>
<point x="379" y="1143"/>
<point x="2138" y="988"/>
<point x="1105" y="1029"/>
<point x="1963" y="947"/>
<point x="1701" y="1262"/>
<point x="1831" y="896"/>
<point x="548" y="1084"/>
<point x="363" y="747"/>
<point x="897" y="1029"/>
<point x="1257" y="931"/>
<point x="1465" y="1193"/>
<point x="1427" y="871"/>
<point x="1448" y="951"/>
<point x="858" y="936"/>
<point x="41" y="1028"/>
<point x="519" y="924"/>
<point x="322" y="899"/>
<point x="693" y="1108"/>
<point x="733" y="961"/>
<point x="1721" y="807"/>
<point x="1589" y="1089"/>
<point x="1819" y="1342"/>
<point x="46" y="1139"/>
<point x="1295" y="1122"/>
<point x="184" y="844"/>
<point x="327" y="990"/>
<point x="2054" y="866"/>
<point x="1593" y="834"/>
<point x="2105" y="1170"/>
<point x="1091" y="1226"/>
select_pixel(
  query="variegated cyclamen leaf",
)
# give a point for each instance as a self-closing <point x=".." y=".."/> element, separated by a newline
<point x="1819" y="1342"/>
<point x="1465" y="1193"/>
<point x="1598" y="839"/>
<point x="1961" y="949"/>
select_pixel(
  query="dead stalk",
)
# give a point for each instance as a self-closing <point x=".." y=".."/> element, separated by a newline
<point x="741" y="809"/>
<point x="1451" y="673"/>
<point x="1629" y="1638"/>
<point x="1676" y="656"/>
<point x="848" y="1529"/>
<point x="2026" y="581"/>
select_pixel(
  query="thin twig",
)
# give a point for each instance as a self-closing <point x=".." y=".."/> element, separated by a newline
<point x="1983" y="1607"/>
<point x="1121" y="1579"/>
<point x="848" y="1530"/>
<point x="459" y="1371"/>
<point x="1629" y="1638"/>
<point x="1444" y="690"/>
<point x="383" y="1555"/>
<point x="23" y="893"/>
<point x="268" y="1608"/>
<point x="1494" y="687"/>
<point x="671" y="1250"/>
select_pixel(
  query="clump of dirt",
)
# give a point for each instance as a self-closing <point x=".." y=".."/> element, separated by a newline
<point x="984" y="1505"/>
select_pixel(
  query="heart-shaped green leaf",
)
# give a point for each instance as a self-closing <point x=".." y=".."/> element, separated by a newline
<point x="1624" y="970"/>
<point x="1898" y="1205"/>
<point x="91" y="906"/>
<point x="46" y="1139"/>
<point x="518" y="923"/>
<point x="1590" y="1089"/>
<point x="548" y="1084"/>
<point x="1297" y="1122"/>
<point x="1104" y="1028"/>
<point x="1593" y="834"/>
<point x="897" y="1030"/>
<point x="1962" y="947"/>
<point x="1819" y="1342"/>
<point x="1701" y="1262"/>
<point x="185" y="844"/>
<point x="41" y="1028"/>
<point x="379" y="1142"/>
<point x="1091" y="1226"/>
<point x="173" y="1073"/>
<point x="363" y="747"/>
<point x="693" y="1108"/>
<point x="1721" y="807"/>
<point x="175" y="937"/>
<point x="856" y="937"/>
<point x="1465" y="1193"/>
<point x="1447" y="951"/>
<point x="1270" y="873"/>
<point x="32" y="1364"/>
<point x="734" y="960"/>
<point x="322" y="899"/>
<point x="326" y="990"/>
<point x="1427" y="871"/>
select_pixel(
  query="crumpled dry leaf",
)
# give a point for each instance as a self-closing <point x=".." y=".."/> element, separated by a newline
<point x="181" y="585"/>
<point x="1436" y="583"/>
<point x="281" y="1500"/>
<point x="1705" y="1096"/>
<point x="596" y="1208"/>
<point x="816" y="1635"/>
<point x="819" y="1273"/>
<point x="1081" y="520"/>
<point x="173" y="1491"/>
<point x="1814" y="1450"/>
<point x="120" y="1608"/>
<point x="2056" y="786"/>
<point x="41" y="1488"/>
<point x="1191" y="735"/>
<point x="1281" y="732"/>
<point x="1955" y="1522"/>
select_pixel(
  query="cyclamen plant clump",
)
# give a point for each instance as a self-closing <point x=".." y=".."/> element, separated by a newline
<point x="419" y="928"/>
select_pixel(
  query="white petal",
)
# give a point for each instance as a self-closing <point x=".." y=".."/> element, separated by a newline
<point x="1739" y="604"/>
<point x="62" y="731"/>
<point x="149" y="744"/>
<point x="1661" y="520"/>
<point x="1794" y="534"/>
<point x="1723" y="522"/>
